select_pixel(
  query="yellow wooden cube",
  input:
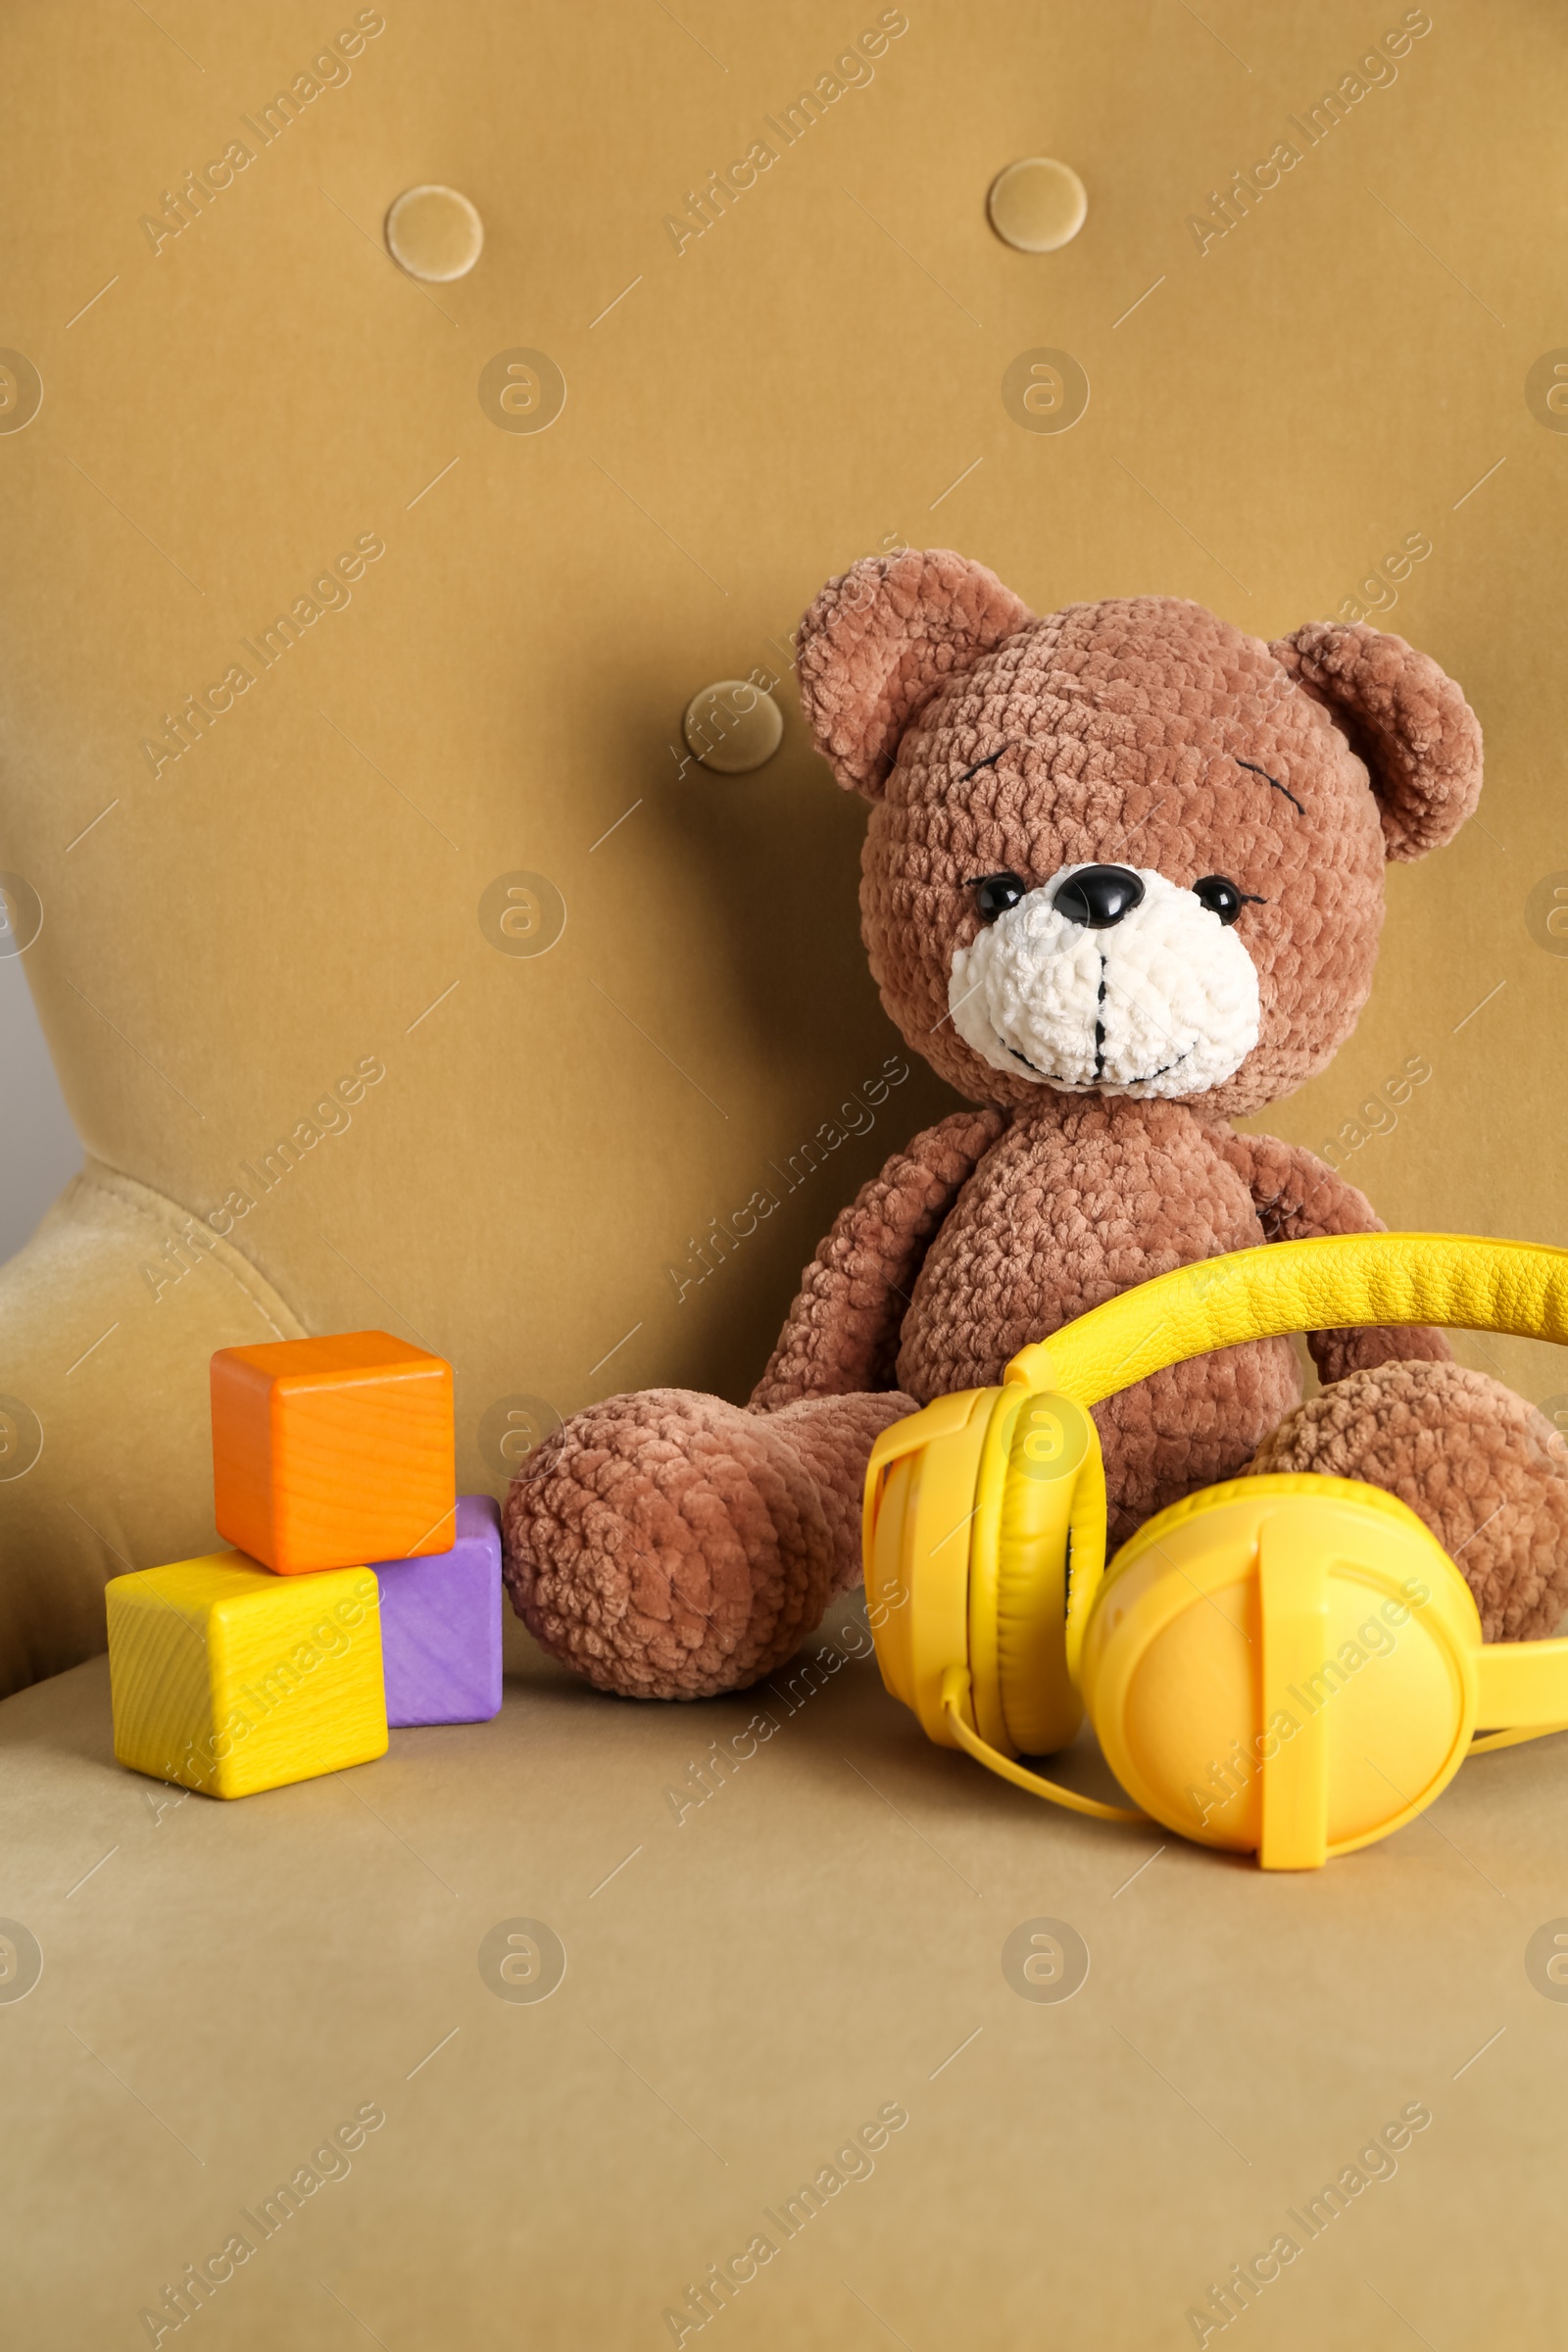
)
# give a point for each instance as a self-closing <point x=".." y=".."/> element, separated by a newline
<point x="228" y="1679"/>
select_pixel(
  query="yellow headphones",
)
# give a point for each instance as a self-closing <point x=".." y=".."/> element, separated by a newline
<point x="1289" y="1665"/>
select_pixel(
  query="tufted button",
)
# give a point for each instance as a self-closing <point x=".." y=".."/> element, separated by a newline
<point x="434" y="233"/>
<point x="733" y="727"/>
<point x="1037" y="205"/>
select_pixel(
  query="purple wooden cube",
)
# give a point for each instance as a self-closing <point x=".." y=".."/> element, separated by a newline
<point x="441" y="1625"/>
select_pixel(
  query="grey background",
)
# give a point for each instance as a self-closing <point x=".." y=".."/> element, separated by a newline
<point x="39" y="1150"/>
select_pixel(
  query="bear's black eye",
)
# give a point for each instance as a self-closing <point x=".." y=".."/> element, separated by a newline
<point x="996" y="892"/>
<point x="1221" y="897"/>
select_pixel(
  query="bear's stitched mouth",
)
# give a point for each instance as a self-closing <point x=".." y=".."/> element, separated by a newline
<point x="1147" y="1079"/>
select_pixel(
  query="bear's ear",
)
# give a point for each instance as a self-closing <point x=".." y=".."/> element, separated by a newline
<point x="878" y="642"/>
<point x="1404" y="717"/>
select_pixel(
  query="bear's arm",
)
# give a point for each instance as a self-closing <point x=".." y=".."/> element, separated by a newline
<point x="1298" y="1196"/>
<point x="841" y="1336"/>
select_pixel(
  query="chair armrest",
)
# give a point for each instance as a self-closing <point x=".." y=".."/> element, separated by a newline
<point x="108" y="1318"/>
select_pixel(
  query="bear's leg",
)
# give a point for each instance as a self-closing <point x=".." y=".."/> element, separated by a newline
<point x="670" y="1545"/>
<point x="1482" y="1467"/>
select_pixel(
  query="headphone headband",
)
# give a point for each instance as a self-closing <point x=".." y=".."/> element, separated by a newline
<point x="1333" y="1282"/>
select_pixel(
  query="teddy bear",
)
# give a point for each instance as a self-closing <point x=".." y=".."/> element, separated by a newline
<point x="1122" y="883"/>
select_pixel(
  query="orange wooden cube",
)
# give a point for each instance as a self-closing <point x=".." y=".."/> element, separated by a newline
<point x="333" y="1453"/>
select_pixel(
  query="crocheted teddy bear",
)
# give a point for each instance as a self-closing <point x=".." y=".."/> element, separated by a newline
<point x="1122" y="882"/>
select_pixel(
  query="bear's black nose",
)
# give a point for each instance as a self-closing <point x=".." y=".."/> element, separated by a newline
<point x="1098" y="896"/>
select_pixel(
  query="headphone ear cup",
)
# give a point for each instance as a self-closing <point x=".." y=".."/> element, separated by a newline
<point x="920" y="1489"/>
<point x="1049" y="1448"/>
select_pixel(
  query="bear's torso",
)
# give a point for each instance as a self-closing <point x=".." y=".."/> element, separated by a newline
<point x="1072" y="1205"/>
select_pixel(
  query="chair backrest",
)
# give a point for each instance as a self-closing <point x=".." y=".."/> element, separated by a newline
<point x="391" y="937"/>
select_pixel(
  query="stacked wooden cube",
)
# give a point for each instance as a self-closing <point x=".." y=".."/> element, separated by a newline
<point x="361" y="1592"/>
